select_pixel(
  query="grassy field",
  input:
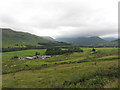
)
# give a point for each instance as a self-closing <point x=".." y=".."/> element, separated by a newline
<point x="76" y="70"/>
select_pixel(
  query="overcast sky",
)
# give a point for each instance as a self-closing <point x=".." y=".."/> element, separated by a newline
<point x="58" y="18"/>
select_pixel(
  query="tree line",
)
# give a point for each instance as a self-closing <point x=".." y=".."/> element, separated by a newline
<point x="58" y="51"/>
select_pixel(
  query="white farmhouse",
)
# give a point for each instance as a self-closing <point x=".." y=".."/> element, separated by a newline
<point x="34" y="57"/>
<point x="38" y="56"/>
<point x="43" y="57"/>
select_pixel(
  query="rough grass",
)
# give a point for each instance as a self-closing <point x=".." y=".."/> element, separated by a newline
<point x="57" y="76"/>
<point x="113" y="84"/>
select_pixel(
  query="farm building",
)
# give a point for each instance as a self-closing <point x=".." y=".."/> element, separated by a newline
<point x="38" y="56"/>
<point x="43" y="57"/>
<point x="31" y="57"/>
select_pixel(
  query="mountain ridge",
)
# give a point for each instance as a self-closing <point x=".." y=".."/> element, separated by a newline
<point x="83" y="40"/>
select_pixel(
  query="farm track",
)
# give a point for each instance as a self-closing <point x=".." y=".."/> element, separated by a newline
<point x="45" y="65"/>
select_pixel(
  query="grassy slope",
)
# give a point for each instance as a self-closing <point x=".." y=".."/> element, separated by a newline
<point x="10" y="38"/>
<point x="57" y="76"/>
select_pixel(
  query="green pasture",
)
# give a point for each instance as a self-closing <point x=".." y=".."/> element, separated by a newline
<point x="25" y="52"/>
<point x="10" y="64"/>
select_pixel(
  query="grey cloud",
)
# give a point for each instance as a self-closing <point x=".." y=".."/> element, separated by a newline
<point x="84" y="17"/>
<point x="87" y="32"/>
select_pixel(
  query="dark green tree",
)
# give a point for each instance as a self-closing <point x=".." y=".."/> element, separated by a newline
<point x="93" y="50"/>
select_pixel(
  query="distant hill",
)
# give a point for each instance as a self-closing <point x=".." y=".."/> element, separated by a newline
<point x="112" y="43"/>
<point x="115" y="42"/>
<point x="83" y="40"/>
<point x="110" y="39"/>
<point x="11" y="38"/>
<point x="48" y="38"/>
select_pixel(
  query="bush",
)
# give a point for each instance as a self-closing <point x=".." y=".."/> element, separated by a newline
<point x="37" y="53"/>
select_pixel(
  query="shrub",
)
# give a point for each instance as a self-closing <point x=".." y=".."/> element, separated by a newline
<point x="14" y="57"/>
<point x="93" y="50"/>
<point x="37" y="53"/>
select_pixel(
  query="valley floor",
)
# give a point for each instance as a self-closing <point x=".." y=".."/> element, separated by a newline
<point x="77" y="70"/>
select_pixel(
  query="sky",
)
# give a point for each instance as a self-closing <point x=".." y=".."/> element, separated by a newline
<point x="61" y="18"/>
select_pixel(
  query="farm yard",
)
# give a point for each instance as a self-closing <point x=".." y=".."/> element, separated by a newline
<point x="69" y="70"/>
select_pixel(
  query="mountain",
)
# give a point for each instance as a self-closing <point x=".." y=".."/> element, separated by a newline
<point x="83" y="40"/>
<point x="110" y="39"/>
<point x="11" y="38"/>
<point x="48" y="38"/>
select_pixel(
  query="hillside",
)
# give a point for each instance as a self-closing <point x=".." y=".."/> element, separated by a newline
<point x="48" y="38"/>
<point x="84" y="40"/>
<point x="12" y="38"/>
